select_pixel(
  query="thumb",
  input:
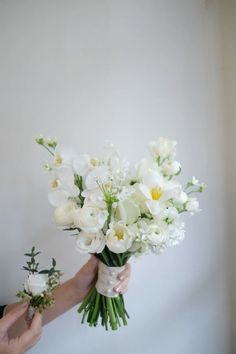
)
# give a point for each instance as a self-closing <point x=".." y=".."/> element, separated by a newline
<point x="11" y="317"/>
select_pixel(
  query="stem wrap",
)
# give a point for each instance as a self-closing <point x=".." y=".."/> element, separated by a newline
<point x="107" y="279"/>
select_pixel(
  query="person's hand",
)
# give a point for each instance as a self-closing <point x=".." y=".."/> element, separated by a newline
<point x="87" y="277"/>
<point x="30" y="337"/>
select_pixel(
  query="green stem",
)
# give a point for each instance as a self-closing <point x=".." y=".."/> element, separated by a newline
<point x="48" y="149"/>
<point x="109" y="209"/>
<point x="111" y="313"/>
<point x="96" y="310"/>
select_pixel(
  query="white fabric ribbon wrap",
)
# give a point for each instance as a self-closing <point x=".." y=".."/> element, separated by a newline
<point x="107" y="279"/>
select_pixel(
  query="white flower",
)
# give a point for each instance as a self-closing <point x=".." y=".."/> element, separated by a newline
<point x="90" y="242"/>
<point x="157" y="191"/>
<point x="127" y="211"/>
<point x="195" y="182"/>
<point x="119" y="170"/>
<point x="181" y="198"/>
<point x="62" y="186"/>
<point x="163" y="148"/>
<point x="175" y="232"/>
<point x="64" y="215"/>
<point x="119" y="237"/>
<point x="83" y="164"/>
<point x="143" y="166"/>
<point x="171" y="168"/>
<point x="192" y="205"/>
<point x="95" y="196"/>
<point x="90" y="218"/>
<point x="63" y="157"/>
<point x="99" y="175"/>
<point x="36" y="284"/>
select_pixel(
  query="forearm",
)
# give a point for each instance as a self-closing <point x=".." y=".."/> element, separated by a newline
<point x="66" y="296"/>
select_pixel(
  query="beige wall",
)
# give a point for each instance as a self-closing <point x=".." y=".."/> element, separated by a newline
<point x="129" y="71"/>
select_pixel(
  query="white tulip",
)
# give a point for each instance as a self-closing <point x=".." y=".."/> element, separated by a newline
<point x="90" y="242"/>
<point x="36" y="284"/>
<point x="119" y="237"/>
<point x="163" y="148"/>
<point x="90" y="218"/>
<point x="64" y="215"/>
<point x="127" y="211"/>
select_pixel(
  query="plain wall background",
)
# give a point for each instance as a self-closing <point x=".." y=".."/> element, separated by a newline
<point x="128" y="71"/>
<point x="228" y="11"/>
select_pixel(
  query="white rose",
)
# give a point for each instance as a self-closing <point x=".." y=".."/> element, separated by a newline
<point x="90" y="243"/>
<point x="127" y="211"/>
<point x="36" y="284"/>
<point x="64" y="215"/>
<point x="171" y="168"/>
<point x="157" y="238"/>
<point x="90" y="218"/>
<point x="163" y="147"/>
<point x="192" y="205"/>
<point x="119" y="237"/>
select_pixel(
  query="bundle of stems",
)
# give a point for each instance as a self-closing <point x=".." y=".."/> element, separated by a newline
<point x="110" y="310"/>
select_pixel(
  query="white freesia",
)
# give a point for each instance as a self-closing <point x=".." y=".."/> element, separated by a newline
<point x="163" y="148"/>
<point x="90" y="218"/>
<point x="36" y="284"/>
<point x="171" y="168"/>
<point x="192" y="205"/>
<point x="90" y="242"/>
<point x="64" y="215"/>
<point x="119" y="237"/>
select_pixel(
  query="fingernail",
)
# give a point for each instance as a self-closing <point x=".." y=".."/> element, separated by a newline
<point x="117" y="290"/>
<point x="121" y="277"/>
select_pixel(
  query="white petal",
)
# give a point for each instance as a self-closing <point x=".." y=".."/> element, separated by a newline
<point x="57" y="198"/>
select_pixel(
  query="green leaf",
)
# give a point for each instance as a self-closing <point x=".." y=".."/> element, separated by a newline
<point x="45" y="271"/>
<point x="54" y="262"/>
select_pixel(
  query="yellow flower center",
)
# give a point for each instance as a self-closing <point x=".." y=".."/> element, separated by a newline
<point x="55" y="183"/>
<point x="57" y="160"/>
<point x="94" y="162"/>
<point x="156" y="193"/>
<point x="119" y="232"/>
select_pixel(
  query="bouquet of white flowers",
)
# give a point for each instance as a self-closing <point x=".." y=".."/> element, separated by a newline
<point x="117" y="212"/>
